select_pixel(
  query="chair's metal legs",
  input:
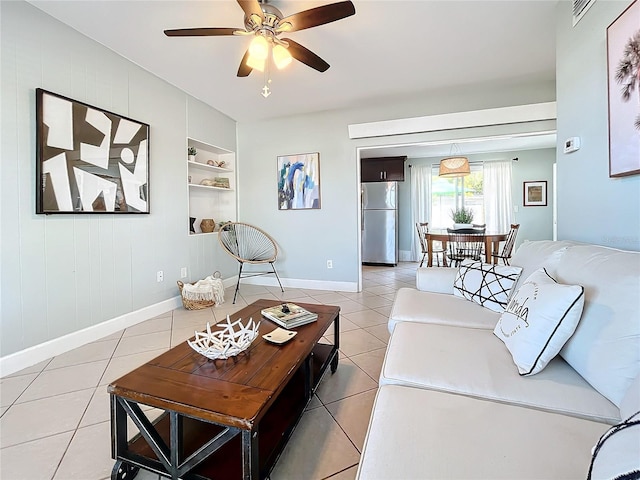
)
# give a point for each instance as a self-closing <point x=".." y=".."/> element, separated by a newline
<point x="273" y="268"/>
<point x="277" y="277"/>
<point x="238" y="284"/>
<point x="422" y="261"/>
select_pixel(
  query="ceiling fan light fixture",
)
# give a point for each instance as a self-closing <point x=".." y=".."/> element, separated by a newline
<point x="256" y="63"/>
<point x="281" y="56"/>
<point x="259" y="48"/>
<point x="284" y="27"/>
<point x="451" y="167"/>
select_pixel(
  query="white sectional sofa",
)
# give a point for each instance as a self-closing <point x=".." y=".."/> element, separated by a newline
<point x="452" y="403"/>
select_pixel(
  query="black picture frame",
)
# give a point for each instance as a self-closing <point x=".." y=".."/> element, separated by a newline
<point x="89" y="160"/>
<point x="534" y="194"/>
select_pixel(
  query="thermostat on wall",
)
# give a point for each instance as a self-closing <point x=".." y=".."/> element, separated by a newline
<point x="572" y="144"/>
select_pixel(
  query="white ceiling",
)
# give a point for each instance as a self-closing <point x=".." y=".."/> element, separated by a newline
<point x="389" y="48"/>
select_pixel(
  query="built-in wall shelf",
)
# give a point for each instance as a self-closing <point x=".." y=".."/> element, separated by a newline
<point x="208" y="201"/>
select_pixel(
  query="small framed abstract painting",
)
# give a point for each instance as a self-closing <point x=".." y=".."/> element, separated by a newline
<point x="535" y="194"/>
<point x="623" y="57"/>
<point x="299" y="181"/>
<point x="89" y="160"/>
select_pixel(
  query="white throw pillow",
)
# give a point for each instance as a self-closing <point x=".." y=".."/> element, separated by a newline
<point x="617" y="453"/>
<point x="540" y="317"/>
<point x="485" y="284"/>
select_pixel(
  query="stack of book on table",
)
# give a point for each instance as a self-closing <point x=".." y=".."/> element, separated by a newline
<point x="289" y="315"/>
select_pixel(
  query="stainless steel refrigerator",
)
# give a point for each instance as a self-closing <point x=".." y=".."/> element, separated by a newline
<point x="379" y="223"/>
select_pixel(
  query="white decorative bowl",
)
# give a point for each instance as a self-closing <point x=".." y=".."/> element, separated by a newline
<point x="230" y="340"/>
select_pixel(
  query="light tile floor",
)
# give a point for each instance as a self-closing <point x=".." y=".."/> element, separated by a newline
<point x="54" y="420"/>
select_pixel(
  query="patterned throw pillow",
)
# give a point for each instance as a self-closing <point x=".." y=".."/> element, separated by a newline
<point x="485" y="284"/>
<point x="540" y="317"/>
<point x="617" y="453"/>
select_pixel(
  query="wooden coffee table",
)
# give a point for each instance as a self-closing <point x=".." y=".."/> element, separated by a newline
<point x="222" y="419"/>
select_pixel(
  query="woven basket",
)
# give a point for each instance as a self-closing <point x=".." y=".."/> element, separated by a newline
<point x="196" y="304"/>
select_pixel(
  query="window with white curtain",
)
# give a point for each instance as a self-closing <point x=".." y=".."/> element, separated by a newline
<point x="448" y="194"/>
<point x="498" y="200"/>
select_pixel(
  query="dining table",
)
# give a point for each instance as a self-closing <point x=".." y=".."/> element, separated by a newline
<point x="491" y="240"/>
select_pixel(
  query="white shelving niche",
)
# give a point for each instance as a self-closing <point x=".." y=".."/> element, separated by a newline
<point x="218" y="203"/>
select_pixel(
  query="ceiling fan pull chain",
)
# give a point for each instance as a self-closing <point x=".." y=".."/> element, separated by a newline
<point x="266" y="91"/>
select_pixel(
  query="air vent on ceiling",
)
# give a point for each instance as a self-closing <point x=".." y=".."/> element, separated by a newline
<point x="580" y="7"/>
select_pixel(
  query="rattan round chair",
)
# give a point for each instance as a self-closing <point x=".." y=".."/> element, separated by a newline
<point x="248" y="244"/>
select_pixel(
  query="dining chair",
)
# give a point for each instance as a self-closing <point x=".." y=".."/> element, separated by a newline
<point x="423" y="228"/>
<point x="510" y="241"/>
<point x="464" y="243"/>
<point x="248" y="244"/>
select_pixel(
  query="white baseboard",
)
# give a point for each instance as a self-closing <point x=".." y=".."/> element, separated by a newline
<point x="32" y="355"/>
<point x="302" y="283"/>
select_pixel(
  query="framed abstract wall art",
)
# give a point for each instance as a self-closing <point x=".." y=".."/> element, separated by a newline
<point x="623" y="60"/>
<point x="299" y="181"/>
<point x="535" y="194"/>
<point x="89" y="160"/>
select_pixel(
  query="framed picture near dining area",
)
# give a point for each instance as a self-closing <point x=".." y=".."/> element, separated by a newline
<point x="623" y="45"/>
<point x="535" y="194"/>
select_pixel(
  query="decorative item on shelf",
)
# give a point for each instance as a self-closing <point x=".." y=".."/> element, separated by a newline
<point x="231" y="340"/>
<point x="192" y="220"/>
<point x="191" y="152"/>
<point x="208" y="182"/>
<point x="221" y="182"/>
<point x="219" y="225"/>
<point x="211" y="163"/>
<point x="205" y="293"/>
<point x="462" y="217"/>
<point x="189" y="178"/>
<point x="207" y="225"/>
<point x="221" y="163"/>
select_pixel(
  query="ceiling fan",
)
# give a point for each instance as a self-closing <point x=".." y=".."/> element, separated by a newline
<point x="266" y="23"/>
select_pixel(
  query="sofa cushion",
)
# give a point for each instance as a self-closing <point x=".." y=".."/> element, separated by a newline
<point x="631" y="401"/>
<point x="474" y="362"/>
<point x="411" y="305"/>
<point x="532" y="255"/>
<point x="617" y="453"/>
<point x="419" y="434"/>
<point x="485" y="284"/>
<point x="540" y="318"/>
<point x="436" y="280"/>
<point x="605" y="348"/>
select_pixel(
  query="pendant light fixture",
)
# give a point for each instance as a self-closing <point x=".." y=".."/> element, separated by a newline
<point x="454" y="165"/>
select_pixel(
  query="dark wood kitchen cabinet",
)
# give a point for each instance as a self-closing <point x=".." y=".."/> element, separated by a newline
<point x="385" y="169"/>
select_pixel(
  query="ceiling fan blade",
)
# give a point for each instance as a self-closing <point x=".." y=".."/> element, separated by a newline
<point x="306" y="56"/>
<point x="316" y="16"/>
<point x="200" y="32"/>
<point x="244" y="70"/>
<point x="251" y="7"/>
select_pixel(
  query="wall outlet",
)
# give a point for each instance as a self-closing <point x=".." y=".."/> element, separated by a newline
<point x="329" y="263"/>
<point x="160" y="276"/>
<point x="183" y="272"/>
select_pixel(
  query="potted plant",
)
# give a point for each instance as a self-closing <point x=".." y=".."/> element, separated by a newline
<point x="462" y="217"/>
<point x="191" y="151"/>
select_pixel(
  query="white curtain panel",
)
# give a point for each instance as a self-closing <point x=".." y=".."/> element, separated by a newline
<point x="498" y="201"/>
<point x="420" y="204"/>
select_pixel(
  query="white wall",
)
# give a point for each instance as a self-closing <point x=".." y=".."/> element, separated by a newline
<point x="536" y="223"/>
<point x="63" y="273"/>
<point x="310" y="237"/>
<point x="591" y="206"/>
